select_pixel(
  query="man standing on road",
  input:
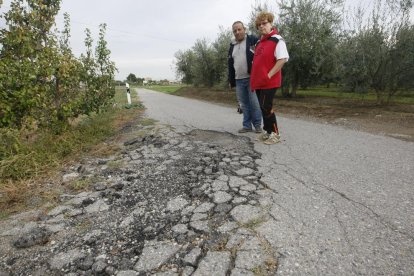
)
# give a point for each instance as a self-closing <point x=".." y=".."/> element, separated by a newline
<point x="269" y="57"/>
<point x="240" y="58"/>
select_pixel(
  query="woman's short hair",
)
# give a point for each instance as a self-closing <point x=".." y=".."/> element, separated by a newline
<point x="264" y="16"/>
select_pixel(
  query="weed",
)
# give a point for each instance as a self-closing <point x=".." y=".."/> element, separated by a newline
<point x="147" y="122"/>
<point x="80" y="184"/>
<point x="134" y="105"/>
<point x="4" y="215"/>
<point x="83" y="226"/>
<point x="115" y="164"/>
<point x="221" y="244"/>
<point x="254" y="223"/>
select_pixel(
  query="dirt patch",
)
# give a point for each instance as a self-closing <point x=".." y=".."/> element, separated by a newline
<point x="394" y="120"/>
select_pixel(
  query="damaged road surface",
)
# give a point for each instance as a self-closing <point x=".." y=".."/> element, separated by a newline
<point x="169" y="204"/>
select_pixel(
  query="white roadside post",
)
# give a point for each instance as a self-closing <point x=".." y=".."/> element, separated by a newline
<point x="128" y="93"/>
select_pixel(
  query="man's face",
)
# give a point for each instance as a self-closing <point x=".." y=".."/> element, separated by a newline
<point x="239" y="31"/>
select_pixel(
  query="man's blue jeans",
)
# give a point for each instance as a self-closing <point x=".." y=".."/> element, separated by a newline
<point x="252" y="114"/>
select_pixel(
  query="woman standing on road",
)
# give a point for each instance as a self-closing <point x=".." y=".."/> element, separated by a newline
<point x="269" y="57"/>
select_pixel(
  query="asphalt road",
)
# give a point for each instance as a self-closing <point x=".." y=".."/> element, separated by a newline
<point x="342" y="202"/>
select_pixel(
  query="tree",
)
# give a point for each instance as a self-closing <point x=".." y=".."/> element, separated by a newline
<point x="204" y="73"/>
<point x="220" y="47"/>
<point x="28" y="57"/>
<point x="382" y="46"/>
<point x="98" y="73"/>
<point x="106" y="69"/>
<point x="132" y="78"/>
<point x="65" y="99"/>
<point x="40" y="78"/>
<point x="184" y="66"/>
<point x="308" y="26"/>
<point x="88" y="75"/>
<point x="401" y="77"/>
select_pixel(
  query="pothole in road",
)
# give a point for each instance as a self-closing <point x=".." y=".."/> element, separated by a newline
<point x="223" y="139"/>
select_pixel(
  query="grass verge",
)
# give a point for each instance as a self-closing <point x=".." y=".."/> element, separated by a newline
<point x="32" y="159"/>
<point x="169" y="89"/>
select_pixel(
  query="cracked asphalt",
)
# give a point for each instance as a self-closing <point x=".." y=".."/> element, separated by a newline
<point x="343" y="200"/>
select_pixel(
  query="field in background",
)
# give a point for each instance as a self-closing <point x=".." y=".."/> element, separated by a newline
<point x="407" y="98"/>
<point x="170" y="89"/>
<point x="315" y="92"/>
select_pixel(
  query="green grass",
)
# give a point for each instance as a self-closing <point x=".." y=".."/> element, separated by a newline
<point x="169" y="89"/>
<point x="313" y="92"/>
<point x="335" y="93"/>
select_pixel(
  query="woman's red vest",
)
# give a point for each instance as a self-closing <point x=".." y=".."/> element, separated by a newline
<point x="263" y="61"/>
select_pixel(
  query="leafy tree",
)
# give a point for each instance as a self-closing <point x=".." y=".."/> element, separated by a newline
<point x="98" y="73"/>
<point x="308" y="26"/>
<point x="27" y="60"/>
<point x="63" y="99"/>
<point x="390" y="72"/>
<point x="204" y="73"/>
<point x="140" y="81"/>
<point x="401" y="75"/>
<point x="132" y="78"/>
<point x="204" y="64"/>
<point x="40" y="78"/>
<point x="184" y="62"/>
<point x="106" y="70"/>
<point x="88" y="75"/>
<point x="221" y="46"/>
<point x="382" y="50"/>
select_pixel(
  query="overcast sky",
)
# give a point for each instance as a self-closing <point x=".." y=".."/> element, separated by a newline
<point x="144" y="35"/>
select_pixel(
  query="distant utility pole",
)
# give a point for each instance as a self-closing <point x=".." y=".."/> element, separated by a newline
<point x="128" y="92"/>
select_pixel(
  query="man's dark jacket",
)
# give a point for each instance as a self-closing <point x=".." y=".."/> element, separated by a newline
<point x="250" y="42"/>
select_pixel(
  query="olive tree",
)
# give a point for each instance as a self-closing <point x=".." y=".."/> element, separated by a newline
<point x="401" y="75"/>
<point x="220" y="47"/>
<point x="184" y="61"/>
<point x="309" y="28"/>
<point x="204" y="71"/>
<point x="382" y="50"/>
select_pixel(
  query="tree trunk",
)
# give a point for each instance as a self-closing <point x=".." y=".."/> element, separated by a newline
<point x="293" y="91"/>
<point x="285" y="91"/>
<point x="295" y="85"/>
<point x="380" y="100"/>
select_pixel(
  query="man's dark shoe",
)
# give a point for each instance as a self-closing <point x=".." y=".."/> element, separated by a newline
<point x="244" y="130"/>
